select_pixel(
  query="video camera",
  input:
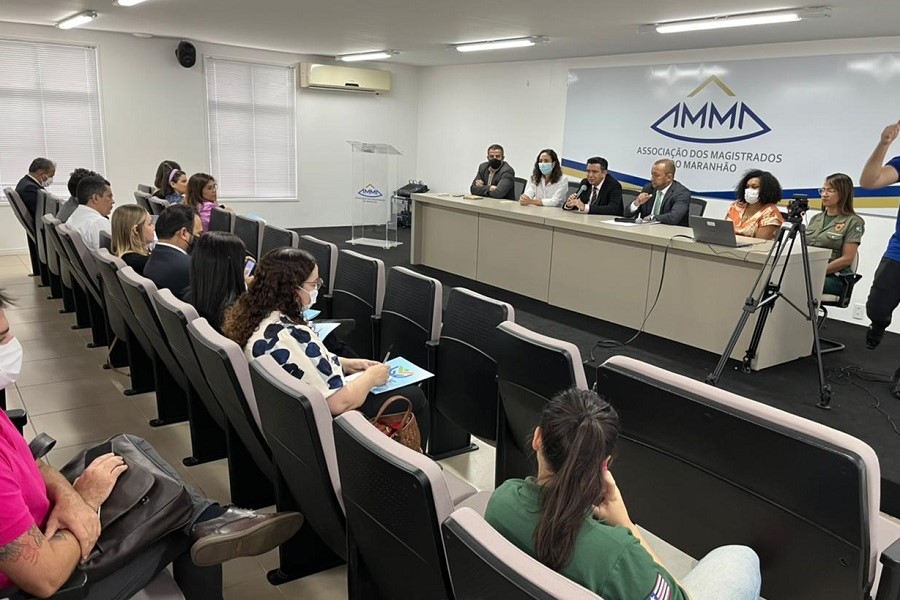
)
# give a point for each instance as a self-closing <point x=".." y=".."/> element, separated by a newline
<point x="798" y="207"/>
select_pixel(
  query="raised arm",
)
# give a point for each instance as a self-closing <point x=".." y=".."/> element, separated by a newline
<point x="875" y="173"/>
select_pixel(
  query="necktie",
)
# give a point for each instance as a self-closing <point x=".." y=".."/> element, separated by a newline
<point x="657" y="204"/>
<point x="593" y="196"/>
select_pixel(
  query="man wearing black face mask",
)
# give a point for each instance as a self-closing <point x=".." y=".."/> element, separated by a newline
<point x="169" y="265"/>
<point x="495" y="178"/>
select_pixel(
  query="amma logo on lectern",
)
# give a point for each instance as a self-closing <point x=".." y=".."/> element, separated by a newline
<point x="713" y="121"/>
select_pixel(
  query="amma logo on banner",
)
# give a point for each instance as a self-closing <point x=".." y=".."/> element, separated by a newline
<point x="370" y="191"/>
<point x="711" y="122"/>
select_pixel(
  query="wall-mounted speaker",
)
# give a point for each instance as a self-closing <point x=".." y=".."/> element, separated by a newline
<point x="186" y="54"/>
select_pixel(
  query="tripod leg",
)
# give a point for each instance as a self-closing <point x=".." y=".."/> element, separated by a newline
<point x="812" y="307"/>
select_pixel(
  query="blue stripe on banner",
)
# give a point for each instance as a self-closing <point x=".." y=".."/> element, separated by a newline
<point x="813" y="193"/>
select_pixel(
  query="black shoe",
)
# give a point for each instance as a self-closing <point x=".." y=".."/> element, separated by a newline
<point x="895" y="389"/>
<point x="874" y="335"/>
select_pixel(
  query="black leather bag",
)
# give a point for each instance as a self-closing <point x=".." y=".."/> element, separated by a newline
<point x="145" y="505"/>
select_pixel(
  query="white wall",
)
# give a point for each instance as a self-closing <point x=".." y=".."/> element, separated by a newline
<point x="154" y="109"/>
<point x="522" y="105"/>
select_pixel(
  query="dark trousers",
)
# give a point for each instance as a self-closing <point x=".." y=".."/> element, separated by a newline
<point x="416" y="397"/>
<point x="884" y="295"/>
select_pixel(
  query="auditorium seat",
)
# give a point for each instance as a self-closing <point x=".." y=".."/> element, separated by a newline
<point x="157" y="205"/>
<point x="50" y="258"/>
<point x="296" y="422"/>
<point x="105" y="241"/>
<point x="205" y="414"/>
<point x="410" y="316"/>
<point x="142" y="198"/>
<point x="250" y="231"/>
<point x="804" y="496"/>
<point x="395" y="500"/>
<point x="531" y="369"/>
<point x="486" y="566"/>
<point x="326" y="255"/>
<point x="226" y="371"/>
<point x="42" y="207"/>
<point x="275" y="237"/>
<point x="221" y="220"/>
<point x="465" y="382"/>
<point x="172" y="388"/>
<point x="70" y="286"/>
<point x="27" y="221"/>
<point x="357" y="294"/>
<point x="145" y="188"/>
<point x="162" y="587"/>
<point x="138" y="347"/>
<point x="84" y="269"/>
<point x="118" y="330"/>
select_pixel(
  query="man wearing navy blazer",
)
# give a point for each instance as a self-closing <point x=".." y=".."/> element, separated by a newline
<point x="169" y="265"/>
<point x="40" y="176"/>
<point x="663" y="199"/>
<point x="602" y="193"/>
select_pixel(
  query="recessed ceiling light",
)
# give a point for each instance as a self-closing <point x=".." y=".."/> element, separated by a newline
<point x="380" y="55"/>
<point x="738" y="20"/>
<point x="501" y="44"/>
<point x="128" y="2"/>
<point x="78" y="20"/>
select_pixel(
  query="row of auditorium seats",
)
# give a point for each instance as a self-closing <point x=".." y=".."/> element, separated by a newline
<point x="702" y="467"/>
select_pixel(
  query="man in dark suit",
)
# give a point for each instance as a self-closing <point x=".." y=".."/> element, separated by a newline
<point x="602" y="193"/>
<point x="169" y="265"/>
<point x="495" y="178"/>
<point x="663" y="199"/>
<point x="40" y="176"/>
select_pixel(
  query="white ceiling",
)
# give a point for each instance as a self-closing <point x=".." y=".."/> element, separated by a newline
<point x="422" y="29"/>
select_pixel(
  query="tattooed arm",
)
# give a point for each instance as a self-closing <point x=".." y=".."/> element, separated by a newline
<point x="38" y="565"/>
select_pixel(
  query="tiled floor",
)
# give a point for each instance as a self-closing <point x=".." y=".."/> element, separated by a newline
<point x="68" y="395"/>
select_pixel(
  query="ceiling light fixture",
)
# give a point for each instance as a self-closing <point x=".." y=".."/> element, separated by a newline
<point x="78" y="20"/>
<point x="501" y="44"/>
<point x="128" y="2"/>
<point x="380" y="55"/>
<point x="738" y="20"/>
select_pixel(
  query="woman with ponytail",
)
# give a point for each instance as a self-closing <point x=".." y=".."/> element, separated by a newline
<point x="572" y="517"/>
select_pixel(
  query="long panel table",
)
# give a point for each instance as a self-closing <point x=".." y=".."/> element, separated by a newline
<point x="611" y="271"/>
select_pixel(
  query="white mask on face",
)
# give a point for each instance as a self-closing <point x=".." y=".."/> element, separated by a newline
<point x="751" y="195"/>
<point x="10" y="362"/>
<point x="313" y="296"/>
<point x="47" y="182"/>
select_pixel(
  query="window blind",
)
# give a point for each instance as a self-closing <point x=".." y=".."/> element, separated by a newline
<point x="50" y="107"/>
<point x="252" y="129"/>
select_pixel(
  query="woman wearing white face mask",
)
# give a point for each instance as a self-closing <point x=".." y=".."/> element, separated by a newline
<point x="755" y="212"/>
<point x="269" y="319"/>
<point x="546" y="186"/>
<point x="10" y="350"/>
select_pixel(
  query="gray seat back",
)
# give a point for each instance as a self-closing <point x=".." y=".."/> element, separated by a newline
<point x="275" y="237"/>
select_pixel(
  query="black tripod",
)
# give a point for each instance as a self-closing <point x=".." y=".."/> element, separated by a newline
<point x="766" y="300"/>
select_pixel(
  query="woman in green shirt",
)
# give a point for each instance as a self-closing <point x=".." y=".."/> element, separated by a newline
<point x="836" y="228"/>
<point x="572" y="517"/>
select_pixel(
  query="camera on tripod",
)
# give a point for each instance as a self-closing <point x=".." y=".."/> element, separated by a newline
<point x="797" y="208"/>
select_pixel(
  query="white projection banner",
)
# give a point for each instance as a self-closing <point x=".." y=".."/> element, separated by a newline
<point x="801" y="118"/>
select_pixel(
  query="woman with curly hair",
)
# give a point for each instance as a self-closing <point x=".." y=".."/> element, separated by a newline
<point x="755" y="211"/>
<point x="268" y="319"/>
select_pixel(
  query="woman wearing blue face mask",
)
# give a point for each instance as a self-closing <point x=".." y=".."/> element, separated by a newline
<point x="546" y="186"/>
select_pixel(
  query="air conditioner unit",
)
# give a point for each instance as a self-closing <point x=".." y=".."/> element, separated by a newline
<point x="333" y="77"/>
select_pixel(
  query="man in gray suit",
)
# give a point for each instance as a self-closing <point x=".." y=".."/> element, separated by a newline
<point x="663" y="199"/>
<point x="495" y="178"/>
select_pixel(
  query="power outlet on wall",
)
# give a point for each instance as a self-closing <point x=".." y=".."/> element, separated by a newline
<point x="859" y="311"/>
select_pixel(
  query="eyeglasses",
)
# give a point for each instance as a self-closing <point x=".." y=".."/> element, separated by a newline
<point x="318" y="283"/>
<point x="826" y="191"/>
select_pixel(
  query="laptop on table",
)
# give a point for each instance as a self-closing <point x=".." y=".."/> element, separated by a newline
<point x="717" y="231"/>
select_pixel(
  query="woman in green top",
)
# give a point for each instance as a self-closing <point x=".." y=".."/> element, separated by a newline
<point x="836" y="228"/>
<point x="572" y="517"/>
